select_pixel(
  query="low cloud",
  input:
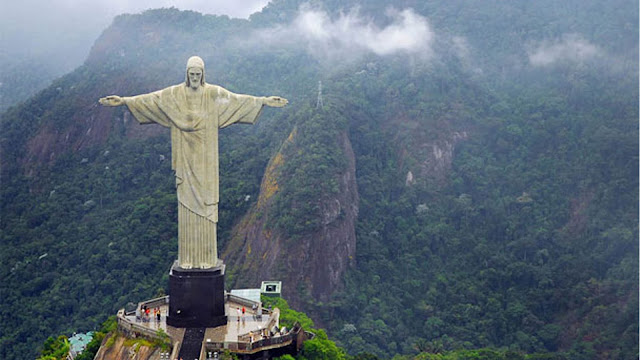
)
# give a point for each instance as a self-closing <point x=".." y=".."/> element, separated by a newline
<point x="570" y="48"/>
<point x="350" y="35"/>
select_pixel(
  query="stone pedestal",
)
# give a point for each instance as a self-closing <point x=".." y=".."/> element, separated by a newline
<point x="196" y="297"/>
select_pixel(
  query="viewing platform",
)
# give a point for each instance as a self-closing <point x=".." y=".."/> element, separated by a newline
<point x="248" y="335"/>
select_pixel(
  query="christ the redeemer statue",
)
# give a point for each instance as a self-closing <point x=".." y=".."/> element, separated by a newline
<point x="194" y="111"/>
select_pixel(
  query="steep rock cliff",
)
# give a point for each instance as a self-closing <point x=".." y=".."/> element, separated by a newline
<point x="312" y="261"/>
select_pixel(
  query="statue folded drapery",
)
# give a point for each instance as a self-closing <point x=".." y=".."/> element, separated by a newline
<point x="194" y="111"/>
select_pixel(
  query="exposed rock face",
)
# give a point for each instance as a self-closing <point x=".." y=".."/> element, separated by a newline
<point x="312" y="263"/>
<point x="435" y="158"/>
<point x="119" y="350"/>
<point x="91" y="126"/>
<point x="426" y="146"/>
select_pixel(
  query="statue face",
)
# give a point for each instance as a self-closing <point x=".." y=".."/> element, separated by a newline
<point x="195" y="77"/>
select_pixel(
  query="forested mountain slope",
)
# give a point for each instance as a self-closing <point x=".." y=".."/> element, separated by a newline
<point x="19" y="80"/>
<point x="472" y="180"/>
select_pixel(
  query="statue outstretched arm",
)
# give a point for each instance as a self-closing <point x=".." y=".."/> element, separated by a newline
<point x="113" y="100"/>
<point x="146" y="108"/>
<point x="275" y="101"/>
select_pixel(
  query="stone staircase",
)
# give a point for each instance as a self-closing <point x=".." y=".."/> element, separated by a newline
<point x="192" y="344"/>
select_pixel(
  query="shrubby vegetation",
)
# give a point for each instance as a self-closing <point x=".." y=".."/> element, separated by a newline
<point x="312" y="156"/>
<point x="58" y="349"/>
<point x="516" y="249"/>
<point x="54" y="349"/>
<point x="288" y="316"/>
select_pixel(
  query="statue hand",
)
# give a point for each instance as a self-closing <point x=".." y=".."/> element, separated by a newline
<point x="275" y="101"/>
<point x="111" y="100"/>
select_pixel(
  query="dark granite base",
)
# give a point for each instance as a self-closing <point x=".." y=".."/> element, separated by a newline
<point x="196" y="297"/>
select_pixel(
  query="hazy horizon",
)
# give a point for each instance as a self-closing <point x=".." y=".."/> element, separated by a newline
<point x="63" y="31"/>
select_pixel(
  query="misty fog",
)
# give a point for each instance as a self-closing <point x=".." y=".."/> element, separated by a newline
<point x="53" y="37"/>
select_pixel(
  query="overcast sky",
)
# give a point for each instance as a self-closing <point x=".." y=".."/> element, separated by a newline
<point x="64" y="30"/>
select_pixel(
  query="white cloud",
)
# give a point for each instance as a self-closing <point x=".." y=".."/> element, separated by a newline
<point x="351" y="35"/>
<point x="571" y="48"/>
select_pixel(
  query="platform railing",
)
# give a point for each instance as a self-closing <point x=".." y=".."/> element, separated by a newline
<point x="294" y="335"/>
<point x="131" y="328"/>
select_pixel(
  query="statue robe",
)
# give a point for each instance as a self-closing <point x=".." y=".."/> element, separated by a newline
<point x="194" y="157"/>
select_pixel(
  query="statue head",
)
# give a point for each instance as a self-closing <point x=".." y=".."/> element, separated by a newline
<point x="195" y="72"/>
